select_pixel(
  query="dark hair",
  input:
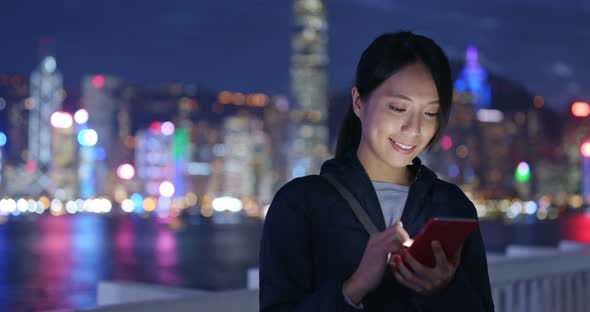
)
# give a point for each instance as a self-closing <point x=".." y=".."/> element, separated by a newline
<point x="385" y="56"/>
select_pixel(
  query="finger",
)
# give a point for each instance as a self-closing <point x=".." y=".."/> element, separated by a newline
<point x="409" y="275"/>
<point x="393" y="246"/>
<point x="408" y="243"/>
<point x="392" y="229"/>
<point x="439" y="255"/>
<point x="396" y="232"/>
<point x="419" y="269"/>
<point x="400" y="279"/>
<point x="401" y="232"/>
<point x="394" y="243"/>
<point x="393" y="267"/>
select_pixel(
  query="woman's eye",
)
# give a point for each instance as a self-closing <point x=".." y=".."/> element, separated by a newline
<point x="396" y="109"/>
<point x="432" y="114"/>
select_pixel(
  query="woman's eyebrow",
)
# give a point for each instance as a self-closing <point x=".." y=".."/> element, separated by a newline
<point x="407" y="98"/>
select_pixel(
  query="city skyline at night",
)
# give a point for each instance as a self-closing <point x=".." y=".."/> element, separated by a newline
<point x="160" y="43"/>
<point x="146" y="143"/>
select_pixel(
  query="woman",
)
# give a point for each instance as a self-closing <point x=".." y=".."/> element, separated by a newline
<point x="317" y="256"/>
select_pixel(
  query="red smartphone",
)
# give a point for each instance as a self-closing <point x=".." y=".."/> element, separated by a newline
<point x="450" y="232"/>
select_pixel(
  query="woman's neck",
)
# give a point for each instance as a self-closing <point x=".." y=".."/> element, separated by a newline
<point x="379" y="171"/>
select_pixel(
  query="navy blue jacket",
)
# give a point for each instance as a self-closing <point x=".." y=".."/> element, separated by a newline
<point x="312" y="242"/>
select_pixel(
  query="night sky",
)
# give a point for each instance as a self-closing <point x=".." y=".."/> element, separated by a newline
<point x="244" y="45"/>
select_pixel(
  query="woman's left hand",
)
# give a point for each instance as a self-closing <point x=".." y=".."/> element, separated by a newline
<point x="424" y="280"/>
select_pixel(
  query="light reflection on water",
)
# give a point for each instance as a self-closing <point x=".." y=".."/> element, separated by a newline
<point x="56" y="262"/>
<point x="50" y="263"/>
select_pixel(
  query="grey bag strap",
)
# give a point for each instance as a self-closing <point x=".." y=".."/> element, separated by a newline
<point x="360" y="213"/>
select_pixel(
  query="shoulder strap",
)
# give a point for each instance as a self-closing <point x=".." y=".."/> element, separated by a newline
<point x="360" y="213"/>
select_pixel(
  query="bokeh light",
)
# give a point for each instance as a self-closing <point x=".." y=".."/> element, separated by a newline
<point x="581" y="109"/>
<point x="167" y="189"/>
<point x="61" y="120"/>
<point x="81" y="116"/>
<point x="167" y="128"/>
<point x="88" y="137"/>
<point x="3" y="139"/>
<point x="98" y="81"/>
<point x="126" y="171"/>
<point x="446" y="142"/>
<point x="523" y="172"/>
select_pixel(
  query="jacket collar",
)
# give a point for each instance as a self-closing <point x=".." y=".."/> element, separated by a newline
<point x="350" y="172"/>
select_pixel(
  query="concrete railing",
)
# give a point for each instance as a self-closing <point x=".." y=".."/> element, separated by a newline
<point x="237" y="300"/>
<point x="116" y="292"/>
<point x="542" y="279"/>
<point x="526" y="278"/>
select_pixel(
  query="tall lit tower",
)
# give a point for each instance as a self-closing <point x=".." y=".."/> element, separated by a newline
<point x="473" y="80"/>
<point x="47" y="96"/>
<point x="309" y="87"/>
<point x="101" y="97"/>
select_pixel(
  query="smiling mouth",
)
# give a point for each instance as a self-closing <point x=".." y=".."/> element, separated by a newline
<point x="405" y="147"/>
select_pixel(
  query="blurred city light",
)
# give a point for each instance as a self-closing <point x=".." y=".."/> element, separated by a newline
<point x="538" y="102"/>
<point x="514" y="210"/>
<point x="490" y="115"/>
<point x="126" y="171"/>
<point x="581" y="109"/>
<point x="585" y="149"/>
<point x="98" y="81"/>
<point x="523" y="172"/>
<point x="167" y="128"/>
<point x="61" y="120"/>
<point x="155" y="127"/>
<point x="167" y="189"/>
<point x="22" y="205"/>
<point x="80" y="205"/>
<point x="33" y="206"/>
<point x="44" y="202"/>
<point x="137" y="200"/>
<point x="453" y="171"/>
<point x="81" y="116"/>
<point x="71" y="207"/>
<point x="3" y="139"/>
<point x="49" y="64"/>
<point x="446" y="142"/>
<point x="88" y="137"/>
<point x="530" y="207"/>
<point x="30" y="166"/>
<point x="127" y="205"/>
<point x="56" y="206"/>
<point x="224" y="97"/>
<point x="228" y="203"/>
<point x="149" y="204"/>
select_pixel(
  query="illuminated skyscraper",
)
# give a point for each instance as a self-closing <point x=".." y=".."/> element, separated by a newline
<point x="247" y="165"/>
<point x="473" y="80"/>
<point x="309" y="86"/>
<point x="14" y="93"/>
<point x="486" y="141"/>
<point x="47" y="96"/>
<point x="101" y="97"/>
<point x="153" y="158"/>
<point x="63" y="171"/>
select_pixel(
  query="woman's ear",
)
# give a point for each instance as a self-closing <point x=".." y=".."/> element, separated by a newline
<point x="356" y="102"/>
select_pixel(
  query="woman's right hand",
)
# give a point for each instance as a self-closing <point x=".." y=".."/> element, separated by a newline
<point x="370" y="271"/>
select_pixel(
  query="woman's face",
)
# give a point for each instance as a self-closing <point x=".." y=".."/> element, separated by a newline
<point x="399" y="118"/>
